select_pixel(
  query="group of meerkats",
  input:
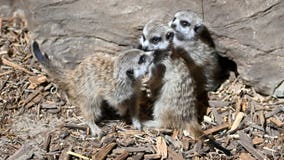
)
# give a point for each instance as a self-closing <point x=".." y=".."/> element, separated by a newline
<point x="179" y="62"/>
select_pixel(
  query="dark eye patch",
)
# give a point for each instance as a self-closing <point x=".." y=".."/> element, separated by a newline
<point x="155" y="40"/>
<point x="184" y="23"/>
<point x="174" y="18"/>
<point x="130" y="73"/>
<point x="142" y="59"/>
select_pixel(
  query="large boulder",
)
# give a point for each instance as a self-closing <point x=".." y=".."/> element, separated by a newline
<point x="249" y="32"/>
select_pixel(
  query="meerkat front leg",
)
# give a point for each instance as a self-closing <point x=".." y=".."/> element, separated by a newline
<point x="132" y="105"/>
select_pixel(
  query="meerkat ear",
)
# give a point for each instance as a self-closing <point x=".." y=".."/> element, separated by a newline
<point x="130" y="73"/>
<point x="170" y="35"/>
<point x="198" y="28"/>
<point x="204" y="35"/>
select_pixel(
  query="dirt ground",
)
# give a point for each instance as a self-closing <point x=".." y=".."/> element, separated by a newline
<point x="37" y="122"/>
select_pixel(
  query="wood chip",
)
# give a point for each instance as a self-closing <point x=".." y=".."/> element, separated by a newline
<point x="217" y="116"/>
<point x="126" y="142"/>
<point x="123" y="155"/>
<point x="174" y="155"/>
<point x="36" y="81"/>
<point x="237" y="121"/>
<point x="64" y="155"/>
<point x="35" y="101"/>
<point x="32" y="96"/>
<point x="246" y="143"/>
<point x="77" y="155"/>
<point x="104" y="152"/>
<point x="175" y="134"/>
<point x="74" y="126"/>
<point x="162" y="147"/>
<point x="132" y="132"/>
<point x="15" y="65"/>
<point x="47" y="143"/>
<point x="138" y="156"/>
<point x="246" y="156"/>
<point x="276" y="121"/>
<point x="217" y="128"/>
<point x="6" y="73"/>
<point x="257" y="140"/>
<point x="152" y="156"/>
<point x="25" y="152"/>
<point x="262" y="119"/>
<point x="244" y="104"/>
<point x="137" y="149"/>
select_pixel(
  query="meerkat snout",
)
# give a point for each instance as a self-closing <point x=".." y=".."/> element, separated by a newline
<point x="173" y="25"/>
<point x="144" y="61"/>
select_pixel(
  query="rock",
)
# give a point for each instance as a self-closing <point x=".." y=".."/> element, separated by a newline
<point x="249" y="32"/>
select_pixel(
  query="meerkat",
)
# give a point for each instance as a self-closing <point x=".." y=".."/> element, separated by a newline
<point x="180" y="94"/>
<point x="192" y="35"/>
<point x="102" y="77"/>
<point x="159" y="37"/>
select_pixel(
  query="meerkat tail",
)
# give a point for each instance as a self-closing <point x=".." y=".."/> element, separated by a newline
<point x="45" y="61"/>
<point x="195" y="130"/>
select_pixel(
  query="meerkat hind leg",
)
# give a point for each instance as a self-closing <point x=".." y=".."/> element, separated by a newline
<point x="91" y="110"/>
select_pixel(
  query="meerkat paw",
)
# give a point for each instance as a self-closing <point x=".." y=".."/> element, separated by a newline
<point x="152" y="124"/>
<point x="136" y="123"/>
<point x="96" y="131"/>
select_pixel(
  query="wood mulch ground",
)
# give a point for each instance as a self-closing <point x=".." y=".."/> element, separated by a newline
<point x="37" y="122"/>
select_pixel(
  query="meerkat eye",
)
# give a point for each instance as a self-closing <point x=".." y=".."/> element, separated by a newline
<point x="184" y="23"/>
<point x="130" y="73"/>
<point x="156" y="40"/>
<point x="142" y="59"/>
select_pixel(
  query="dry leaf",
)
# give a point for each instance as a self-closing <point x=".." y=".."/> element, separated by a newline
<point x="162" y="147"/>
<point x="237" y="121"/>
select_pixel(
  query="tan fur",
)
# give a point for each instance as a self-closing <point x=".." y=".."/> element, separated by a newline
<point x="178" y="99"/>
<point x="196" y="40"/>
<point x="102" y="77"/>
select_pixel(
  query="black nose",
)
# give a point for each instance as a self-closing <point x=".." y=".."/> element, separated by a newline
<point x="145" y="48"/>
<point x="197" y="28"/>
<point x="173" y="25"/>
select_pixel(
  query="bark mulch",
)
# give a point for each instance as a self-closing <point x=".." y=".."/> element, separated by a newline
<point x="37" y="122"/>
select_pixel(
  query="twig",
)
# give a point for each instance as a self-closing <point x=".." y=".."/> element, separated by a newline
<point x="5" y="73"/>
<point x="217" y="128"/>
<point x="74" y="126"/>
<point x="47" y="143"/>
<point x="32" y="96"/>
<point x="16" y="66"/>
<point x="77" y="155"/>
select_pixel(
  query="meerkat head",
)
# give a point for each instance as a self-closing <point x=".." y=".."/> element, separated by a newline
<point x="156" y="36"/>
<point x="186" y="24"/>
<point x="133" y="64"/>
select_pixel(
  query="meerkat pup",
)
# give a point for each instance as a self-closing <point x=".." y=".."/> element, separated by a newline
<point x="102" y="77"/>
<point x="176" y="84"/>
<point x="195" y="38"/>
<point x="159" y="37"/>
